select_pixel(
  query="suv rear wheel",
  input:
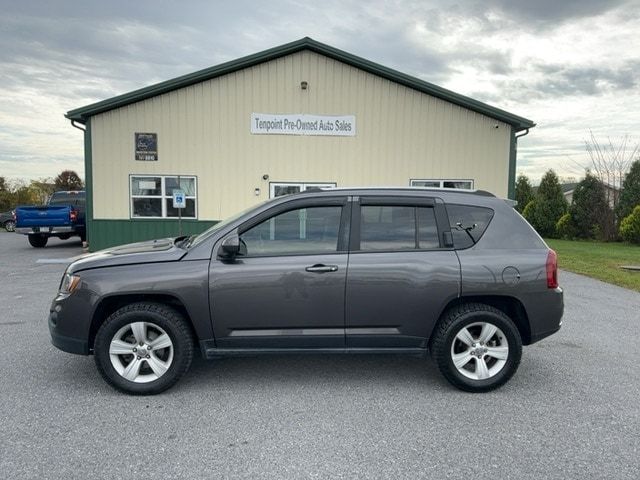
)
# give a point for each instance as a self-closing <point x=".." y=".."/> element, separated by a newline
<point x="143" y="348"/>
<point x="477" y="347"/>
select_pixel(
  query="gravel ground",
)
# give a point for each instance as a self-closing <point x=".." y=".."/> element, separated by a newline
<point x="571" y="411"/>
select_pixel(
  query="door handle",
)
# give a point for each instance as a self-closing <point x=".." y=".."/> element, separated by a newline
<point x="320" y="268"/>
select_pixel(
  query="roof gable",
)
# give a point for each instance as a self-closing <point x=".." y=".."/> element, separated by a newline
<point x="83" y="113"/>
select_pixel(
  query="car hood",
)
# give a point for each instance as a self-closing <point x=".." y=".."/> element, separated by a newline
<point x="152" y="251"/>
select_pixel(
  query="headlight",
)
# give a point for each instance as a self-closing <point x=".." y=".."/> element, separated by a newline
<point x="69" y="283"/>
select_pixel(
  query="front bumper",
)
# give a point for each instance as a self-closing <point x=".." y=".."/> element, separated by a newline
<point x="67" y="334"/>
<point x="68" y="344"/>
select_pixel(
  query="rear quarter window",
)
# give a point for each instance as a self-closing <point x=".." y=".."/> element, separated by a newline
<point x="468" y="223"/>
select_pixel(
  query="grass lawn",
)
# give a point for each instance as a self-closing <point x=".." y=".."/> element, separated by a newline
<point x="599" y="260"/>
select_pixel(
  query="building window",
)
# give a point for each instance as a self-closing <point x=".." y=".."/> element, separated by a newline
<point x="287" y="188"/>
<point x="152" y="196"/>
<point x="443" y="183"/>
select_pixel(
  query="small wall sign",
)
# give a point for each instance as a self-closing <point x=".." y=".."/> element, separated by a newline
<point x="179" y="200"/>
<point x="146" y="147"/>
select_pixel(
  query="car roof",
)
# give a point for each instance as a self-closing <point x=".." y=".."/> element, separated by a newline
<point x="443" y="193"/>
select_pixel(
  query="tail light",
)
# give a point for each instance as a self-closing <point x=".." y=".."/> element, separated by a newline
<point x="552" y="269"/>
<point x="73" y="215"/>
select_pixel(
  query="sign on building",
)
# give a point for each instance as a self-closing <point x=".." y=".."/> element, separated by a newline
<point x="146" y="147"/>
<point x="303" y="124"/>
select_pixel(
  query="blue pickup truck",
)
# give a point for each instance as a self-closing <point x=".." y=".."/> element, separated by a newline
<point x="62" y="217"/>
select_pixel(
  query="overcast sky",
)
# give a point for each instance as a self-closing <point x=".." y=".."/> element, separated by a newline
<point x="569" y="65"/>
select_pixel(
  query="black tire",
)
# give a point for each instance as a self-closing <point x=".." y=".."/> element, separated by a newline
<point x="170" y="320"/>
<point x="444" y="335"/>
<point x="64" y="236"/>
<point x="10" y="226"/>
<point x="38" y="241"/>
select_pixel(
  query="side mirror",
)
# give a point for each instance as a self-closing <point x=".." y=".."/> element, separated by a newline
<point x="230" y="246"/>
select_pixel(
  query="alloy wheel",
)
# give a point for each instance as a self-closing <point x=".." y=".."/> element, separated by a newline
<point x="141" y="352"/>
<point x="479" y="350"/>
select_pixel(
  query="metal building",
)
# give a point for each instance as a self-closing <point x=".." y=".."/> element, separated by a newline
<point x="279" y="121"/>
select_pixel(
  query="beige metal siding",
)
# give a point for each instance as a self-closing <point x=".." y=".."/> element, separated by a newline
<point x="204" y="130"/>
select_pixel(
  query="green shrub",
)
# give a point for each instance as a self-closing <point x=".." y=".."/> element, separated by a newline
<point x="630" y="226"/>
<point x="565" y="227"/>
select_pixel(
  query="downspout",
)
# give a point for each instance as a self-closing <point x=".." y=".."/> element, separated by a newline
<point x="526" y="132"/>
<point x="88" y="181"/>
<point x="513" y="147"/>
<point x="73" y="124"/>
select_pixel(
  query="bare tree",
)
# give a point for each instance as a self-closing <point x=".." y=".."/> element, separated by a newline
<point x="610" y="162"/>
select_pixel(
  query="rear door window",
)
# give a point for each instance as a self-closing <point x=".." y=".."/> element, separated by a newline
<point x="468" y="223"/>
<point x="397" y="227"/>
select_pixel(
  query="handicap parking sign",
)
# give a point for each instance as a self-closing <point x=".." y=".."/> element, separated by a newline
<point x="178" y="199"/>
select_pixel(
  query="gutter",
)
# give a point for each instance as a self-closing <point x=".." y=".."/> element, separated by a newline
<point x="73" y="124"/>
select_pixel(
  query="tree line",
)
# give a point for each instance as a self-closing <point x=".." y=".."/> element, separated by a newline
<point x="597" y="210"/>
<point x="36" y="192"/>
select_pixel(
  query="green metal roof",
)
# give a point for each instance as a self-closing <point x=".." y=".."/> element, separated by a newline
<point x="83" y="113"/>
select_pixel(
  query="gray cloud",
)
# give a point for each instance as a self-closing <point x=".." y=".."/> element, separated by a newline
<point x="555" y="11"/>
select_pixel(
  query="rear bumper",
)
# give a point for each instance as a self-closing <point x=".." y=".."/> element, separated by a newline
<point x="539" y="336"/>
<point x="45" y="230"/>
<point x="545" y="313"/>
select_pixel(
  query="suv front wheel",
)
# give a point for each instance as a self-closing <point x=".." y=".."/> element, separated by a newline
<point x="476" y="347"/>
<point x="143" y="348"/>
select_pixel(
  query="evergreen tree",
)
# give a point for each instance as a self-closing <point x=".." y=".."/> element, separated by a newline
<point x="524" y="192"/>
<point x="630" y="195"/>
<point x="548" y="206"/>
<point x="590" y="212"/>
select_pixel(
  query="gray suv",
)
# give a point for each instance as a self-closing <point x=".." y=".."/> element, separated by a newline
<point x="403" y="271"/>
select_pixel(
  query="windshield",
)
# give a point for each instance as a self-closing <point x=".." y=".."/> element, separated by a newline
<point x="220" y="225"/>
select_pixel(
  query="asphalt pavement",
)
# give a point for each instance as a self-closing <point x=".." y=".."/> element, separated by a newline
<point x="571" y="411"/>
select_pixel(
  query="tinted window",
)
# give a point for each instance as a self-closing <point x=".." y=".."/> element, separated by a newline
<point x="427" y="228"/>
<point x="394" y="228"/>
<point x="468" y="223"/>
<point x="64" y="198"/>
<point x="301" y="231"/>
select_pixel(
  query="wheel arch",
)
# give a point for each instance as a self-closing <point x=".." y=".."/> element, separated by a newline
<point x="110" y="304"/>
<point x="510" y="306"/>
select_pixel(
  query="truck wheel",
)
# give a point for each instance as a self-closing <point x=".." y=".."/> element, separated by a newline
<point x="476" y="347"/>
<point x="143" y="348"/>
<point x="10" y="225"/>
<point x="38" y="241"/>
